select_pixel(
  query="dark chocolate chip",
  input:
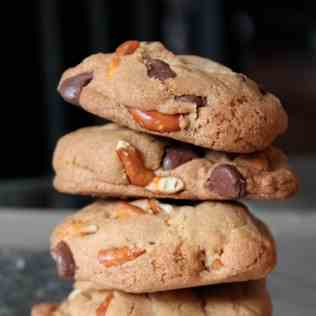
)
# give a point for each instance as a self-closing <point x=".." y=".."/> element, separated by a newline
<point x="178" y="155"/>
<point x="227" y="181"/>
<point x="198" y="100"/>
<point x="70" y="89"/>
<point x="64" y="259"/>
<point x="159" y="69"/>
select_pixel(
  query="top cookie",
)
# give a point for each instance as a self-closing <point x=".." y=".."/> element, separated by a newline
<point x="146" y="87"/>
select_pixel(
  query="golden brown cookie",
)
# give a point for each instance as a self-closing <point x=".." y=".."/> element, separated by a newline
<point x="147" y="246"/>
<point x="114" y="161"/>
<point x="146" y="87"/>
<point x="239" y="299"/>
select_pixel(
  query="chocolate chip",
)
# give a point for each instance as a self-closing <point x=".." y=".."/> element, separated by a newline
<point x="159" y="69"/>
<point x="198" y="100"/>
<point x="227" y="181"/>
<point x="70" y="88"/>
<point x="178" y="155"/>
<point x="64" y="259"/>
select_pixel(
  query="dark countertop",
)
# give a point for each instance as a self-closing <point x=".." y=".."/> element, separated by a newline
<point x="27" y="278"/>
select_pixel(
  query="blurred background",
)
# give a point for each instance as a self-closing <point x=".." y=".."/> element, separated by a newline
<point x="274" y="45"/>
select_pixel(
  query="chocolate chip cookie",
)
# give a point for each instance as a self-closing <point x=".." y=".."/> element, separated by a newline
<point x="147" y="245"/>
<point x="247" y="299"/>
<point x="114" y="161"/>
<point x="145" y="87"/>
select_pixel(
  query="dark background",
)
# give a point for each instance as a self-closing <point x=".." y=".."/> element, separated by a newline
<point x="275" y="45"/>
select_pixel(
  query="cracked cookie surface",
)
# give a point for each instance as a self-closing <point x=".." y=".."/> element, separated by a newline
<point x="147" y="245"/>
<point x="113" y="161"/>
<point x="239" y="299"/>
<point x="146" y="87"/>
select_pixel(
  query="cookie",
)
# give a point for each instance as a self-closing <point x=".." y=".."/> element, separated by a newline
<point x="148" y="246"/>
<point x="146" y="87"/>
<point x="247" y="299"/>
<point x="114" y="161"/>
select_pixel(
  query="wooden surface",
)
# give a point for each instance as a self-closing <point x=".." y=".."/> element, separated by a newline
<point x="292" y="285"/>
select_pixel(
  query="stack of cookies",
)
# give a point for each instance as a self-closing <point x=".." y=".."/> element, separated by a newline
<point x="188" y="135"/>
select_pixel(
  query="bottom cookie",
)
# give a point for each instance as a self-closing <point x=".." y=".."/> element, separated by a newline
<point x="238" y="299"/>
